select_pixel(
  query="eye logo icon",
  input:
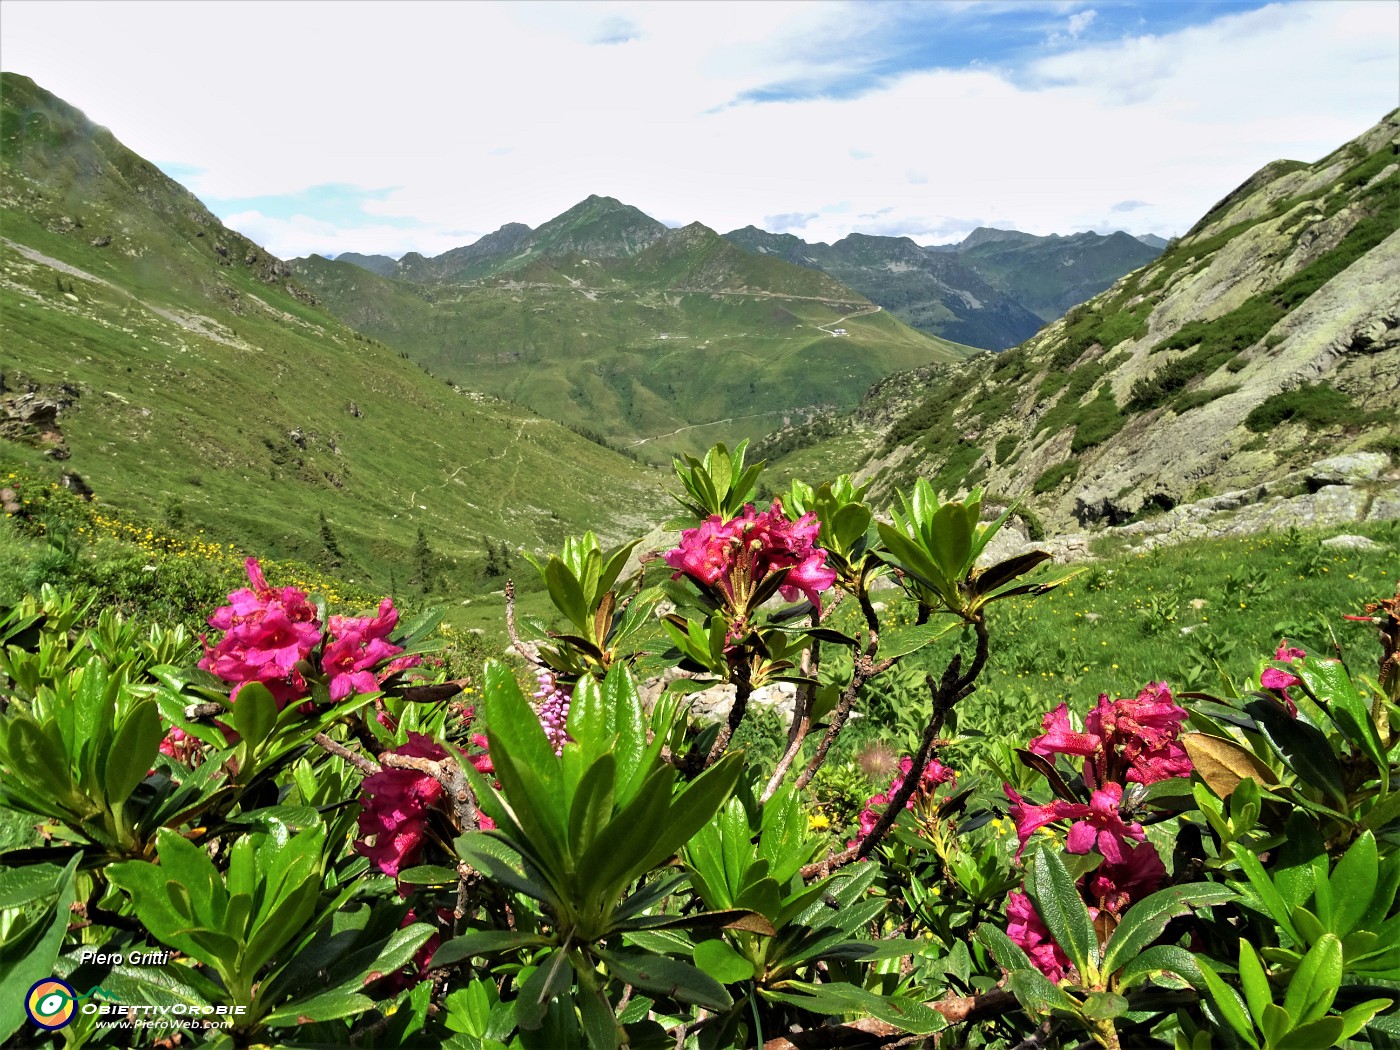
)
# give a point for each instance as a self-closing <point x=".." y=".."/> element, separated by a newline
<point x="51" y="1003"/>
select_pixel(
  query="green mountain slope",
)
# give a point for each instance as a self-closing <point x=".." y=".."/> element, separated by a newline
<point x="658" y="340"/>
<point x="1265" y="339"/>
<point x="1049" y="275"/>
<point x="933" y="292"/>
<point x="198" y="375"/>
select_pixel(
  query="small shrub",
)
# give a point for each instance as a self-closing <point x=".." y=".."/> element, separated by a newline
<point x="1185" y="402"/>
<point x="1314" y="405"/>
<point x="1051" y="478"/>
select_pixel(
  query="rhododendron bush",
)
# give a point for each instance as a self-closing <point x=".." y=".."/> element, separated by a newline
<point x="312" y="838"/>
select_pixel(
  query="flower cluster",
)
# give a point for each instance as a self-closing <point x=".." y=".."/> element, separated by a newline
<point x="934" y="774"/>
<point x="1026" y="929"/>
<point x="1279" y="681"/>
<point x="268" y="636"/>
<point x="272" y="635"/>
<point x="1126" y="741"/>
<point x="737" y="556"/>
<point x="395" y="806"/>
<point x="355" y="646"/>
<point x="552" y="708"/>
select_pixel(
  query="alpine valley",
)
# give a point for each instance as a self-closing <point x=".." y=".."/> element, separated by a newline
<point x="530" y="385"/>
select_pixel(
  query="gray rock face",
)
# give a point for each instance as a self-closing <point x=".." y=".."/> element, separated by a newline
<point x="1141" y="400"/>
<point x="1340" y="490"/>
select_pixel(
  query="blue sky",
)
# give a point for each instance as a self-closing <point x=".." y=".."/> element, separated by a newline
<point x="384" y="128"/>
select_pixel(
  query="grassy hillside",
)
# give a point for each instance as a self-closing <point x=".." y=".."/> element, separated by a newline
<point x="684" y="342"/>
<point x="199" y="378"/>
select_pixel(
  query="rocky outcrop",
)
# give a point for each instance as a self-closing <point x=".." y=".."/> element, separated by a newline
<point x="31" y="416"/>
<point x="1340" y="490"/>
<point x="1201" y="373"/>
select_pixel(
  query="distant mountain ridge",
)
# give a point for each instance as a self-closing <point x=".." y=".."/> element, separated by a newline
<point x="930" y="291"/>
<point x="657" y="339"/>
<point x="993" y="290"/>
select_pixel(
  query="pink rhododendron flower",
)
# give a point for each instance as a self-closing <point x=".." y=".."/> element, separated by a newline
<point x="1026" y="929"/>
<point x="933" y="775"/>
<point x="355" y="646"/>
<point x="1114" y="887"/>
<point x="1280" y="681"/>
<point x="267" y="633"/>
<point x="395" y="805"/>
<point x="736" y="556"/>
<point x="1097" y="824"/>
<point x="1061" y="738"/>
<point x="1030" y="817"/>
<point x="1103" y="826"/>
<point x="1128" y="740"/>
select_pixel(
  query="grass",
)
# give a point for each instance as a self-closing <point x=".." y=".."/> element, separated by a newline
<point x="209" y="383"/>
<point x="1190" y="615"/>
<point x="1315" y="405"/>
<point x="1051" y="477"/>
<point x="641" y="355"/>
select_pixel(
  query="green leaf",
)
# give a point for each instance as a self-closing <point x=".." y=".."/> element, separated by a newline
<point x="906" y="640"/>
<point x="1144" y="921"/>
<point x="1254" y="980"/>
<point x="428" y="875"/>
<point x="1104" y="1006"/>
<point x="133" y="751"/>
<point x="624" y="728"/>
<point x="484" y="942"/>
<point x="1008" y="954"/>
<point x="553" y="977"/>
<point x="722" y="962"/>
<point x="1330" y="683"/>
<point x="1060" y="907"/>
<point x="1355" y="1019"/>
<point x="35" y="760"/>
<point x="499" y="861"/>
<point x="254" y="715"/>
<point x="1156" y="961"/>
<point x="1274" y="1024"/>
<point x="567" y="594"/>
<point x="1316" y="981"/>
<point x="600" y="1026"/>
<point x="1264" y="887"/>
<point x="1003" y="572"/>
<point x="1322" y="1032"/>
<point x="32" y="958"/>
<point x="695" y="805"/>
<point x="328" y="1006"/>
<point x="1228" y="1002"/>
<point x="1303" y="747"/>
<point x="19" y="886"/>
<point x="1354" y="880"/>
<point x="662" y="975"/>
<point x="592" y="804"/>
<point x="1038" y="995"/>
<point x="839" y="997"/>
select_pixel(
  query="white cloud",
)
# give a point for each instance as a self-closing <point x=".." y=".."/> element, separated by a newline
<point x="487" y="113"/>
